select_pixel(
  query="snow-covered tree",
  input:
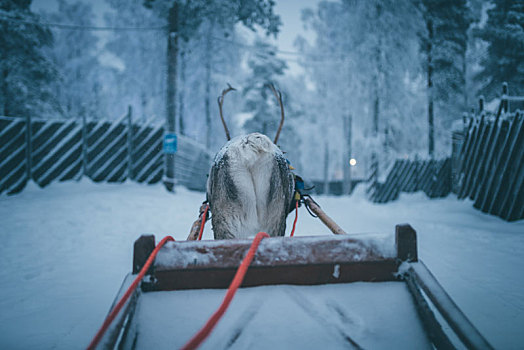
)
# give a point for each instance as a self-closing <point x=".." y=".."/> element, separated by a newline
<point x="504" y="32"/>
<point x="444" y="44"/>
<point x="212" y="59"/>
<point x="139" y="75"/>
<point x="25" y="71"/>
<point x="364" y="64"/>
<point x="74" y="55"/>
<point x="185" y="19"/>
<point x="265" y="68"/>
<point x="261" y="104"/>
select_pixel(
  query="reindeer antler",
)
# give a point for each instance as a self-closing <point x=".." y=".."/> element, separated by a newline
<point x="278" y="96"/>
<point x="220" y="101"/>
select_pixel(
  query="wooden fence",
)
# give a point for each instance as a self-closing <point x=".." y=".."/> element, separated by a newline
<point x="410" y="175"/>
<point x="490" y="163"/>
<point x="112" y="151"/>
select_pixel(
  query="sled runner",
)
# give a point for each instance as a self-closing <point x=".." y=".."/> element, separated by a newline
<point x="304" y="292"/>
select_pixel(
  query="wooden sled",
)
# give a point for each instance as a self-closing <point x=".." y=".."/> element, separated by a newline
<point x="331" y="291"/>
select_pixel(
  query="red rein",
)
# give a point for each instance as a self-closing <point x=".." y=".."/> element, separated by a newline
<point x="199" y="337"/>
<point x="204" y="332"/>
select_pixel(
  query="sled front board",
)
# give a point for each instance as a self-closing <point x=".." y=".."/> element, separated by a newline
<point x="279" y="260"/>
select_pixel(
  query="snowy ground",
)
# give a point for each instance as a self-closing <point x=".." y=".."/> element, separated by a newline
<point x="66" y="248"/>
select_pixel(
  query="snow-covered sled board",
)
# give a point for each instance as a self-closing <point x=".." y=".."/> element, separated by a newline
<point x="329" y="291"/>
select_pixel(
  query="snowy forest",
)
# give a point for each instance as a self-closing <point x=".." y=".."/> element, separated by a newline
<point x="375" y="77"/>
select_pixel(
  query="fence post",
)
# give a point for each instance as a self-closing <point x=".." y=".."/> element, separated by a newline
<point x="347" y="186"/>
<point x="29" y="148"/>
<point x="505" y="104"/>
<point x="481" y="104"/>
<point x="129" y="143"/>
<point x="373" y="178"/>
<point x="326" y="169"/>
<point x="84" y="146"/>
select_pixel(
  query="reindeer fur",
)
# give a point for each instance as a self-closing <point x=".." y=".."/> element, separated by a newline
<point x="250" y="188"/>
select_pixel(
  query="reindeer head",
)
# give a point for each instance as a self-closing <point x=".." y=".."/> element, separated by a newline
<point x="250" y="186"/>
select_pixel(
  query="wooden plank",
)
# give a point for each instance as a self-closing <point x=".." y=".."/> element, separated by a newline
<point x="464" y="151"/>
<point x="406" y="239"/>
<point x="480" y="141"/>
<point x="433" y="178"/>
<point x="411" y="182"/>
<point x="519" y="206"/>
<point x="506" y="169"/>
<point x="503" y="155"/>
<point x="388" y="181"/>
<point x="457" y="142"/>
<point x="481" y="161"/>
<point x="392" y="191"/>
<point x="118" y="330"/>
<point x="311" y="274"/>
<point x="326" y="220"/>
<point x="488" y="156"/>
<point x="425" y="172"/>
<point x="430" y="323"/>
<point x="467" y="158"/>
<point x="510" y="175"/>
<point x="460" y="324"/>
<point x="516" y="201"/>
<point x="426" y="176"/>
<point x="444" y="178"/>
<point x="389" y="190"/>
<point x="408" y="174"/>
<point x="279" y="260"/>
<point x="486" y="186"/>
<point x="498" y="138"/>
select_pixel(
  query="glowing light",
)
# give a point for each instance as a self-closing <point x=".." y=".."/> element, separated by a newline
<point x="352" y="162"/>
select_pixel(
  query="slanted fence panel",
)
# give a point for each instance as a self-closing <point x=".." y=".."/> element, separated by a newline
<point x="108" y="151"/>
<point x="490" y="165"/>
<point x="431" y="176"/>
<point x="13" y="158"/>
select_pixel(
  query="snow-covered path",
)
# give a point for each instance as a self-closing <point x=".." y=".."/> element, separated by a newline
<point x="66" y="248"/>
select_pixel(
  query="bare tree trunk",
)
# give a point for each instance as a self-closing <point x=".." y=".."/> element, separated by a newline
<point x="3" y="78"/>
<point x="181" y="94"/>
<point x="208" y="86"/>
<point x="326" y="168"/>
<point x="376" y="101"/>
<point x="4" y="110"/>
<point x="172" y="53"/>
<point x="347" y="186"/>
<point x="431" y="126"/>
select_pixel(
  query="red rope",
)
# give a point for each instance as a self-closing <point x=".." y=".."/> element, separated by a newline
<point x="204" y="332"/>
<point x="203" y="222"/>
<point x="98" y="336"/>
<point x="294" y="222"/>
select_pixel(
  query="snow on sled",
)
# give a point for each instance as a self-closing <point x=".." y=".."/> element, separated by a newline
<point x="313" y="292"/>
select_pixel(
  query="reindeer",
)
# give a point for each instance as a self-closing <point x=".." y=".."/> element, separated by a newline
<point x="250" y="186"/>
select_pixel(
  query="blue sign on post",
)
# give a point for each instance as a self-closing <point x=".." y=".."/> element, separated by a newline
<point x="170" y="143"/>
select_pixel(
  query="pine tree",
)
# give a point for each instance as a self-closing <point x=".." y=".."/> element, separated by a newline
<point x="140" y="80"/>
<point x="265" y="69"/>
<point x="364" y="63"/>
<point x="444" y="44"/>
<point x="25" y="72"/>
<point x="73" y="53"/>
<point x="504" y="31"/>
